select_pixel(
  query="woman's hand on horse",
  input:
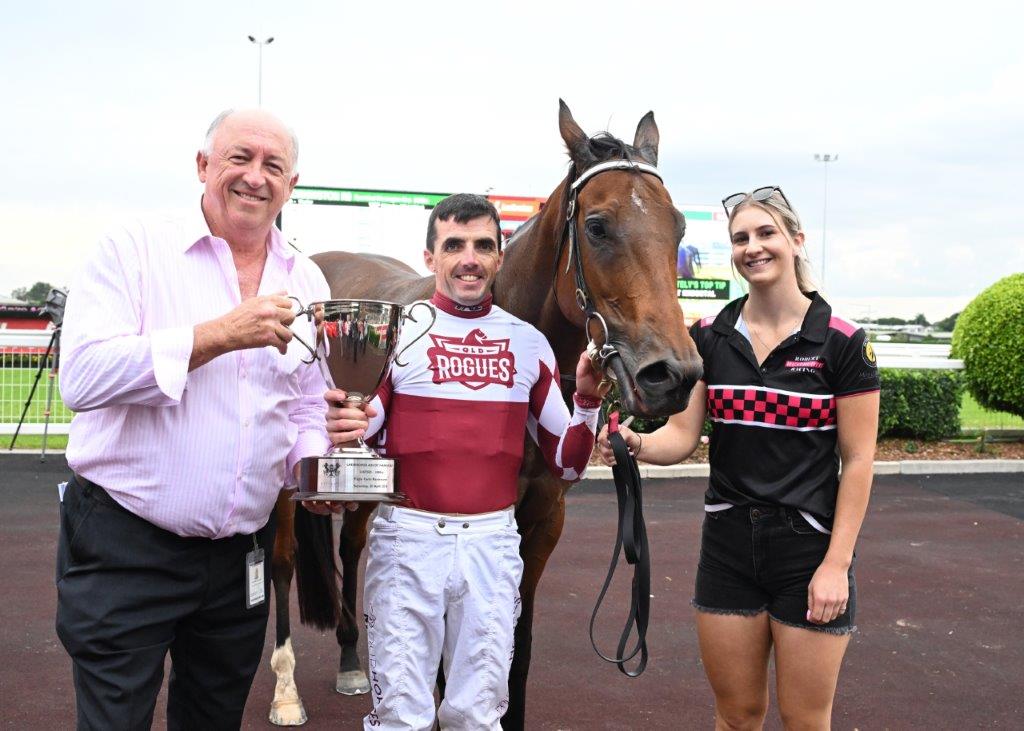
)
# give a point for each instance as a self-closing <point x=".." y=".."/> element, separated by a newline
<point x="346" y="422"/>
<point x="604" y="447"/>
<point x="589" y="380"/>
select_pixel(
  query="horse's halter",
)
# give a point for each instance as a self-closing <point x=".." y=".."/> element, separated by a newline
<point x="599" y="356"/>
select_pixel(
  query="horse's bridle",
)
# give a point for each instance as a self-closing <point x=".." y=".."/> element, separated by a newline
<point x="599" y="356"/>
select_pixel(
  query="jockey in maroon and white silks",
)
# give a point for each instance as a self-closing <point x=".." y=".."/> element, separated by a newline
<point x="455" y="414"/>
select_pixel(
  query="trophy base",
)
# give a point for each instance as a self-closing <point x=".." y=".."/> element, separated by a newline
<point x="350" y="475"/>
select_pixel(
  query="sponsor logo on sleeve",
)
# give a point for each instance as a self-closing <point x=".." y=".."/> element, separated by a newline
<point x="868" y="354"/>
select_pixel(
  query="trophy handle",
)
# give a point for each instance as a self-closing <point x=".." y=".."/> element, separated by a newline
<point x="408" y="316"/>
<point x="308" y="312"/>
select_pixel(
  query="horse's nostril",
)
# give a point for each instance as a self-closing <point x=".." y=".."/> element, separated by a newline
<point x="657" y="375"/>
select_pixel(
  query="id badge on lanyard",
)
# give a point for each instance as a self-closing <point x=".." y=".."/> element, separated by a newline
<point x="255" y="572"/>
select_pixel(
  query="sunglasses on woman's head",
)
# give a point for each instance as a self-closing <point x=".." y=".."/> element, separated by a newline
<point x="760" y="195"/>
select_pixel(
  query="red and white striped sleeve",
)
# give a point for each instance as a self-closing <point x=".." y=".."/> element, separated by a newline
<point x="566" y="440"/>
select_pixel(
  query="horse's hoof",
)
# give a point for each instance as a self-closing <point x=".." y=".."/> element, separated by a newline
<point x="352" y="682"/>
<point x="287" y="712"/>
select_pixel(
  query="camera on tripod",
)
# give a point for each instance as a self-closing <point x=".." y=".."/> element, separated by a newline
<point x="53" y="307"/>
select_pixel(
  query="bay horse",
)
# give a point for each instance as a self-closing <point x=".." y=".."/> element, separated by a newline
<point x="603" y="248"/>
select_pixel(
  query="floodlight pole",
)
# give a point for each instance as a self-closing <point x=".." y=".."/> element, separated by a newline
<point x="259" y="76"/>
<point x="826" y="159"/>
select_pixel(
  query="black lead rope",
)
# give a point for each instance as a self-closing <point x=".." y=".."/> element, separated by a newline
<point x="631" y="537"/>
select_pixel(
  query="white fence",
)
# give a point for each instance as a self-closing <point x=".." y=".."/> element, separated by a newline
<point x="916" y="355"/>
<point x="21" y="351"/>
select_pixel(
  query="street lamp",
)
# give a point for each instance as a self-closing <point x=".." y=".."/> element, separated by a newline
<point x="826" y="159"/>
<point x="259" y="77"/>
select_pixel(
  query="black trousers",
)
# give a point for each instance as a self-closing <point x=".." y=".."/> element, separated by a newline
<point x="128" y="592"/>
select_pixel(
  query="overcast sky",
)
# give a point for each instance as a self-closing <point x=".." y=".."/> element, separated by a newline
<point x="105" y="104"/>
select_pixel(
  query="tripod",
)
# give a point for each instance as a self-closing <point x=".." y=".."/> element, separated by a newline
<point x="54" y="347"/>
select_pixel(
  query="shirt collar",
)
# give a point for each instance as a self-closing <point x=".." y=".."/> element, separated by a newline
<point x="446" y="304"/>
<point x="813" y="328"/>
<point x="725" y="323"/>
<point x="197" y="229"/>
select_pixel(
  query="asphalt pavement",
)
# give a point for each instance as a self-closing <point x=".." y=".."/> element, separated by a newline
<point x="940" y="571"/>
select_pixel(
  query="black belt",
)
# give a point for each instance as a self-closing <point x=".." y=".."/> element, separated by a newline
<point x="631" y="536"/>
<point x="91" y="489"/>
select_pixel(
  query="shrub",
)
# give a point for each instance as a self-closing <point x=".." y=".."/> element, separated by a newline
<point x="989" y="336"/>
<point x="924" y="404"/>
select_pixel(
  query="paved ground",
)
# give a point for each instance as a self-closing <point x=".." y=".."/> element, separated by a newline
<point x="941" y="646"/>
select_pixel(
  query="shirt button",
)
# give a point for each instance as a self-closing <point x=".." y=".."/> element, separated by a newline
<point x="245" y="423"/>
<point x="465" y="525"/>
<point x="440" y="524"/>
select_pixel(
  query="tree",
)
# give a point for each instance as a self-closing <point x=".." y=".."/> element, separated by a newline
<point x="989" y="337"/>
<point x="34" y="295"/>
<point x="920" y="319"/>
<point x="946" y="325"/>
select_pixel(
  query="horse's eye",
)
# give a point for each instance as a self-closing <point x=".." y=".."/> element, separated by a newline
<point x="595" y="228"/>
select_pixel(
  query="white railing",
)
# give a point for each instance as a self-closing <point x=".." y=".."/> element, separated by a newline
<point x="20" y="351"/>
<point x="20" y="354"/>
<point x="916" y="355"/>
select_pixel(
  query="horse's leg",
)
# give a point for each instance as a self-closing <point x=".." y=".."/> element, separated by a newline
<point x="286" y="709"/>
<point x="541" y="517"/>
<point x="351" y="679"/>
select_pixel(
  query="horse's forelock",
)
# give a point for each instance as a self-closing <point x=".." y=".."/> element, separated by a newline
<point x="602" y="147"/>
<point x="605" y="146"/>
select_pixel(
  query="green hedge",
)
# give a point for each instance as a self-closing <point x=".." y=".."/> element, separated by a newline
<point x="919" y="404"/>
<point x="922" y="404"/>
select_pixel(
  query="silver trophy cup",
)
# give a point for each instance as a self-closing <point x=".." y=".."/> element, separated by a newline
<point x="355" y="345"/>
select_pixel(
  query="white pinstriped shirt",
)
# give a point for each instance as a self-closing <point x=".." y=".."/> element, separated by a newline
<point x="202" y="453"/>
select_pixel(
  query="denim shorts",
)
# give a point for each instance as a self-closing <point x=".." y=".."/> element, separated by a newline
<point x="756" y="559"/>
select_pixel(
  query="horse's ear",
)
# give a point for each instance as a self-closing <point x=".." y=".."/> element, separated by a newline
<point x="575" y="138"/>
<point x="646" y="139"/>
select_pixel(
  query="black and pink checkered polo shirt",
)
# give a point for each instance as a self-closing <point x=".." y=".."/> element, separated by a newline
<point x="773" y="440"/>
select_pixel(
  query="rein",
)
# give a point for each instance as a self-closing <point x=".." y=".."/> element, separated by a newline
<point x="631" y="538"/>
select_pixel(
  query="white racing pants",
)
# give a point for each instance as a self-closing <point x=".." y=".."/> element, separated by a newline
<point x="440" y="587"/>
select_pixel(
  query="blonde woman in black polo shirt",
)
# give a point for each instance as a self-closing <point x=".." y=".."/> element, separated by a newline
<point x="792" y="392"/>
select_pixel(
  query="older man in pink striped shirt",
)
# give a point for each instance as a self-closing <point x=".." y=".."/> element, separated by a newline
<point x="193" y="409"/>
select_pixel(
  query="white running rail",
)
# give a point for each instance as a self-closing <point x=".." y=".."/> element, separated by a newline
<point x="21" y="350"/>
